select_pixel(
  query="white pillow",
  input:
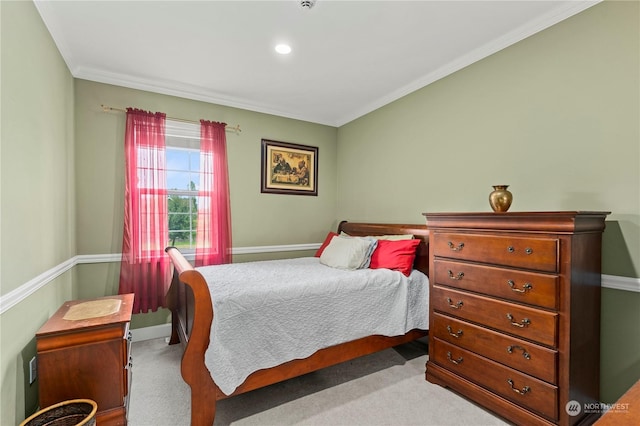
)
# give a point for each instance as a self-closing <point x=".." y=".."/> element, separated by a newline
<point x="346" y="253"/>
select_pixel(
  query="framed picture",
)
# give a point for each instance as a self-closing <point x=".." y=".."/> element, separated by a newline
<point x="289" y="168"/>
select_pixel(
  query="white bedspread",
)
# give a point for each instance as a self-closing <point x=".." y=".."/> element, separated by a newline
<point x="270" y="312"/>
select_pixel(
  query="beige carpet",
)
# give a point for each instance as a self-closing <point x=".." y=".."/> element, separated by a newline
<point x="387" y="388"/>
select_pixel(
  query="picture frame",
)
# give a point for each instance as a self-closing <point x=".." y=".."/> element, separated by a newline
<point x="289" y="168"/>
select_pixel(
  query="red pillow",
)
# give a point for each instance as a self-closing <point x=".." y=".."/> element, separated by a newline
<point x="396" y="255"/>
<point x="327" y="240"/>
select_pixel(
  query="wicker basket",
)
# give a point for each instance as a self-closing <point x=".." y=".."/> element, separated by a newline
<point x="75" y="412"/>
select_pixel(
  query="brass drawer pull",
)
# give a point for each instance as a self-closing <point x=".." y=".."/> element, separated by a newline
<point x="457" y="334"/>
<point x="458" y="305"/>
<point x="512" y="249"/>
<point x="454" y="248"/>
<point x="457" y="277"/>
<point x="525" y="322"/>
<point x="526" y="287"/>
<point x="454" y="361"/>
<point x="519" y="391"/>
<point x="525" y="354"/>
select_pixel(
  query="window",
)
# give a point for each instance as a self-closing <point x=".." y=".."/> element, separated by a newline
<point x="183" y="180"/>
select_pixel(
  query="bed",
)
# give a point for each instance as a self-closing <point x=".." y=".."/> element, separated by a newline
<point x="190" y="302"/>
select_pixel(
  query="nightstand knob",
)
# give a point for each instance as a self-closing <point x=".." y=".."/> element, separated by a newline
<point x="511" y="249"/>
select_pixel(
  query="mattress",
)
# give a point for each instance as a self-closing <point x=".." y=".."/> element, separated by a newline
<point x="270" y="312"/>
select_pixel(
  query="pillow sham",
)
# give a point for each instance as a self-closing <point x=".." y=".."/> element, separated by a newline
<point x="374" y="244"/>
<point x="326" y="242"/>
<point x="395" y="255"/>
<point x="345" y="253"/>
<point x="372" y="247"/>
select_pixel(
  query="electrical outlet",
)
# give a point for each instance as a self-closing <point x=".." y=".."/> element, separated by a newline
<point x="33" y="370"/>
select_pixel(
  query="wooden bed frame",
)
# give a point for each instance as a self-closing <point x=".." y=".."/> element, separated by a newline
<point x="192" y="313"/>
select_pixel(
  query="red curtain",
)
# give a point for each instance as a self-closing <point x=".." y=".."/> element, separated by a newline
<point x="145" y="269"/>
<point x="213" y="236"/>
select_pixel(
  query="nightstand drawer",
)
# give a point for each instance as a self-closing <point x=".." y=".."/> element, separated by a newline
<point x="521" y="286"/>
<point x="539" y="254"/>
<point x="523" y="389"/>
<point x="521" y="321"/>
<point x="525" y="356"/>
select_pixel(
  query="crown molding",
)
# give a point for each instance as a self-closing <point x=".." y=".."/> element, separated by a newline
<point x="186" y="91"/>
<point x="530" y="28"/>
<point x="172" y="88"/>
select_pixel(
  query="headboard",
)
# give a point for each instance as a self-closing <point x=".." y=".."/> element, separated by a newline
<point x="421" y="232"/>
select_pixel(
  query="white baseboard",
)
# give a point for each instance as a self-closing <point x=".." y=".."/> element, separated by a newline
<point x="151" y="332"/>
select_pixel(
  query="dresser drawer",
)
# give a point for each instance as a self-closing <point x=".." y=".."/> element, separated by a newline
<point x="520" y="286"/>
<point x="513" y="385"/>
<point x="523" y="252"/>
<point x="525" y="356"/>
<point x="524" y="322"/>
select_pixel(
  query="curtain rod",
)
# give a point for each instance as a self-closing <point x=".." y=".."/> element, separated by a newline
<point x="236" y="129"/>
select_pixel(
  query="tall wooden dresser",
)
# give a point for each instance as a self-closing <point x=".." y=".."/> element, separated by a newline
<point x="84" y="352"/>
<point x="515" y="312"/>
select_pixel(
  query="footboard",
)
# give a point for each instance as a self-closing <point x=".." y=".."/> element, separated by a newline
<point x="191" y="317"/>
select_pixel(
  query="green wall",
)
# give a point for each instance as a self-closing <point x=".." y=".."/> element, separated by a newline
<point x="37" y="198"/>
<point x="257" y="219"/>
<point x="62" y="187"/>
<point x="555" y="116"/>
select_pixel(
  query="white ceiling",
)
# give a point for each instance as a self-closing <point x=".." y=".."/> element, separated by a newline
<point x="349" y="57"/>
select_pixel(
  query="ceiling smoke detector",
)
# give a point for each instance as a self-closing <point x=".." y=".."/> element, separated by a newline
<point x="307" y="4"/>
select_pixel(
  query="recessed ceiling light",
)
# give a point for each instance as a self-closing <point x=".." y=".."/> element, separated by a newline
<point x="283" y="49"/>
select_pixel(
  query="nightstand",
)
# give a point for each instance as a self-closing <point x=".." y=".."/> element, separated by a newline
<point x="83" y="351"/>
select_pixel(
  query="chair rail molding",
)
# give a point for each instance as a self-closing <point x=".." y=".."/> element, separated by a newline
<point x="12" y="298"/>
